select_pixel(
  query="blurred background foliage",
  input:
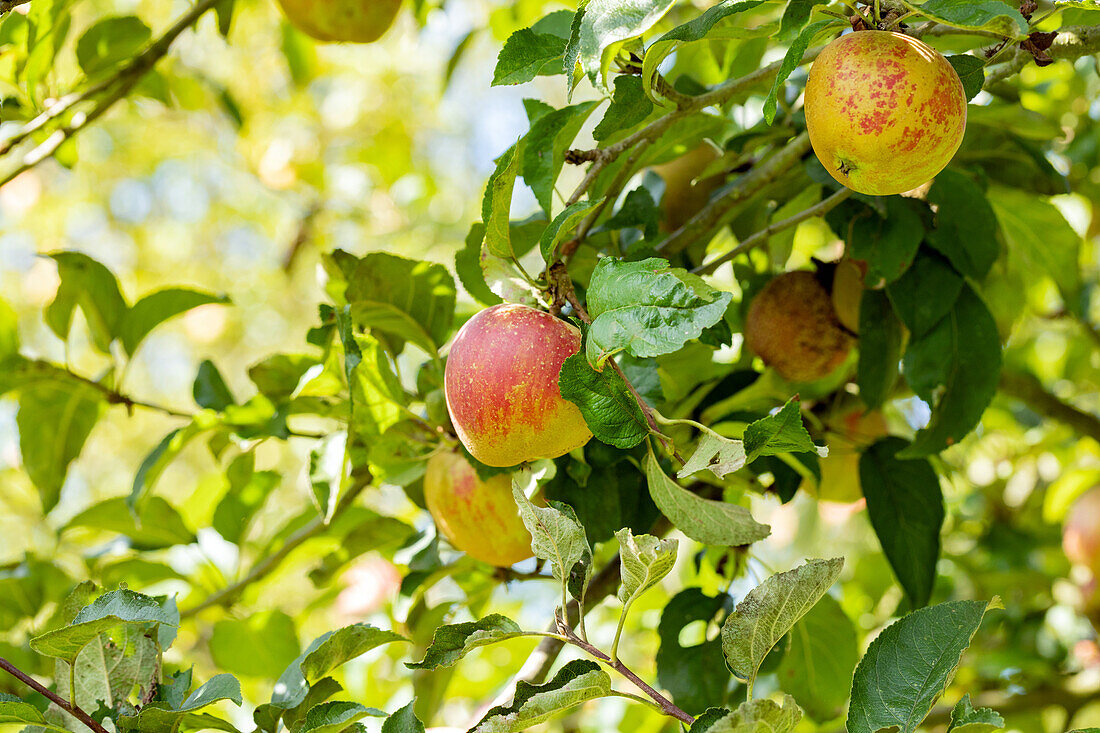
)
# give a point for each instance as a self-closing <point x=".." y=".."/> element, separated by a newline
<point x="240" y="160"/>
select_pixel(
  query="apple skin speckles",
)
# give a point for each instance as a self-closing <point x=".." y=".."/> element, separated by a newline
<point x="885" y="112"/>
<point x="501" y="385"/>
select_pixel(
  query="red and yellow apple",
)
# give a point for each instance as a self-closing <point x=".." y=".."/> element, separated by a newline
<point x="501" y="384"/>
<point x="848" y="435"/>
<point x="1081" y="532"/>
<point x="792" y="327"/>
<point x="478" y="517"/>
<point x="885" y="112"/>
<point x="352" y="21"/>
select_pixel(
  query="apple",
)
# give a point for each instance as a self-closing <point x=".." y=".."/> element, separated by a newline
<point x="353" y="21"/>
<point x="847" y="438"/>
<point x="848" y="292"/>
<point x="501" y="386"/>
<point x="885" y="112"/>
<point x="792" y="327"/>
<point x="684" y="195"/>
<point x="1081" y="532"/>
<point x="478" y="517"/>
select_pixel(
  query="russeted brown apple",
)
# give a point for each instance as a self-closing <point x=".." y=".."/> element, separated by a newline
<point x="791" y="325"/>
<point x="501" y="384"/>
<point x="351" y="21"/>
<point x="478" y="517"/>
<point x="849" y="435"/>
<point x="885" y="112"/>
<point x="1081" y="532"/>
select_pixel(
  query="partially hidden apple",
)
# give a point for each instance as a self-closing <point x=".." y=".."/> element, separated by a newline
<point x="501" y="384"/>
<point x="478" y="517"/>
<point x="791" y="325"/>
<point x="849" y="435"/>
<point x="847" y="292"/>
<point x="351" y="21"/>
<point x="1081" y="532"/>
<point x="885" y="112"/>
<point x="685" y="193"/>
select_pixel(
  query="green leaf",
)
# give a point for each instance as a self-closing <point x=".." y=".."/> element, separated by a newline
<point x="645" y="561"/>
<point x="791" y="61"/>
<point x="496" y="204"/>
<point x="403" y="721"/>
<point x="880" y="338"/>
<point x="342" y="646"/>
<point x="164" y="453"/>
<point x="795" y="17"/>
<point x="401" y="299"/>
<point x="930" y="273"/>
<point x="966" y="227"/>
<point x="9" y="331"/>
<point x="210" y="390"/>
<point x="110" y="42"/>
<point x="694" y="30"/>
<point x="544" y="152"/>
<point x="887" y="243"/>
<point x="965" y="718"/>
<point x="468" y="267"/>
<point x="156" y="308"/>
<point x="105" y="613"/>
<point x="905" y="505"/>
<point x="527" y="54"/>
<point x="755" y="716"/>
<point x="562" y="227"/>
<point x="454" y="641"/>
<point x="14" y="710"/>
<point x="575" y="683"/>
<point x="704" y="520"/>
<point x="556" y="536"/>
<point x="716" y="453"/>
<point x="224" y="12"/>
<point x="971" y="71"/>
<point x="988" y="15"/>
<point x="608" y="22"/>
<point x="375" y="393"/>
<point x="817" y="668"/>
<point x="629" y="106"/>
<point x="54" y="421"/>
<point x="1037" y="232"/>
<point x="155" y="719"/>
<point x="610" y="410"/>
<point x="256" y="645"/>
<point x="335" y="716"/>
<point x="782" y="432"/>
<point x="88" y="285"/>
<point x="695" y="675"/>
<point x="963" y="354"/>
<point x="769" y="611"/>
<point x="647" y="308"/>
<point x="910" y="663"/>
<point x="157" y="523"/>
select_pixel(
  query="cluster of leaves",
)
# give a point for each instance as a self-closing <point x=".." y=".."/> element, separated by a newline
<point x="685" y="433"/>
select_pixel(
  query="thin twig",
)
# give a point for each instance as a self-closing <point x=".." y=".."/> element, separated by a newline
<point x="761" y="237"/>
<point x="712" y="214"/>
<point x="53" y="697"/>
<point x="667" y="706"/>
<point x="123" y="82"/>
<point x="1071" y="43"/>
<point x="1031" y="392"/>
